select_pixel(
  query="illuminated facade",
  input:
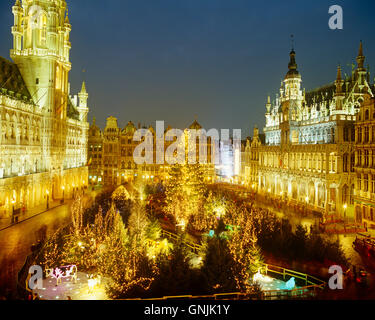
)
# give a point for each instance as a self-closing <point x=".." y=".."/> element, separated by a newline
<point x="309" y="155"/>
<point x="44" y="130"/>
<point x="111" y="153"/>
<point x="250" y="160"/>
<point x="364" y="198"/>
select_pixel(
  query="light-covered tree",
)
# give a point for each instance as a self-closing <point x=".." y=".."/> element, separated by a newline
<point x="244" y="249"/>
<point x="185" y="192"/>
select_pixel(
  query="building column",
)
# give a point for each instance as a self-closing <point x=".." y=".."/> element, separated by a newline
<point x="363" y="134"/>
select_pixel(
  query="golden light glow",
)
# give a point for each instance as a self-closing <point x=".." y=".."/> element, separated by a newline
<point x="220" y="211"/>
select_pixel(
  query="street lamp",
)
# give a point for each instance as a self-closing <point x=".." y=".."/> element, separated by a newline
<point x="345" y="206"/>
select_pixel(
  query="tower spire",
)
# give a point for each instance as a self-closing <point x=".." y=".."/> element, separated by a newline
<point x="360" y="52"/>
<point x="339" y="82"/>
<point x="339" y="95"/>
<point x="339" y="77"/>
<point x="83" y="89"/>
<point x="292" y="66"/>
<point x="67" y="16"/>
<point x="82" y="106"/>
<point x="268" y="104"/>
<point x="360" y="57"/>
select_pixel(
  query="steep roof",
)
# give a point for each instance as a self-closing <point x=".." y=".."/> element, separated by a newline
<point x="94" y="130"/>
<point x="72" y="112"/>
<point x="195" y="125"/>
<point x="322" y="95"/>
<point x="12" y="83"/>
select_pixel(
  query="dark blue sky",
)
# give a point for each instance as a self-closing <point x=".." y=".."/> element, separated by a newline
<point x="148" y="60"/>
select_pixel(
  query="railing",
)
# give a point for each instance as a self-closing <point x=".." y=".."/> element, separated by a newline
<point x="298" y="293"/>
<point x="193" y="246"/>
<point x="312" y="284"/>
<point x="308" y="280"/>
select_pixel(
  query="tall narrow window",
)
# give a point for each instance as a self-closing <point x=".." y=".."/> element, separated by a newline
<point x="346" y="134"/>
<point x="43" y="30"/>
<point x="345" y="162"/>
<point x="352" y="162"/>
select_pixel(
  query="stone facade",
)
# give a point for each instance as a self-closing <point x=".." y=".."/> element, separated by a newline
<point x="111" y="155"/>
<point x="309" y="151"/>
<point x="250" y="160"/>
<point x="364" y="198"/>
<point x="44" y="129"/>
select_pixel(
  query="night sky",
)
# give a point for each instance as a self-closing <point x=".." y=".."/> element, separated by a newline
<point x="216" y="60"/>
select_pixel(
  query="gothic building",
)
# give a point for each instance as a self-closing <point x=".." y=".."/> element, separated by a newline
<point x="250" y="160"/>
<point x="111" y="155"/>
<point x="364" y="197"/>
<point x="44" y="129"/>
<point x="309" y="155"/>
